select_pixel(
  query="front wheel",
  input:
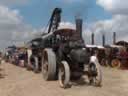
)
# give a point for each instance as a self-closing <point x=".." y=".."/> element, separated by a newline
<point x="95" y="74"/>
<point x="35" y="64"/>
<point x="116" y="63"/>
<point x="64" y="74"/>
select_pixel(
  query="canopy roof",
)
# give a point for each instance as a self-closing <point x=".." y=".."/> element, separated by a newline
<point x="65" y="32"/>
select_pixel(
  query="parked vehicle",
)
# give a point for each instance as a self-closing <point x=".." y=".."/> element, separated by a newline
<point x="116" y="56"/>
<point x="69" y="60"/>
<point x="63" y="54"/>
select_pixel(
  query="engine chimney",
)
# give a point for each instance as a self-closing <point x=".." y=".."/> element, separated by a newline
<point x="79" y="22"/>
<point x="92" y="37"/>
<point x="114" y="37"/>
<point x="103" y="39"/>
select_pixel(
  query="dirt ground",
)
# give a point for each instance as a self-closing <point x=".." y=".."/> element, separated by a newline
<point x="16" y="81"/>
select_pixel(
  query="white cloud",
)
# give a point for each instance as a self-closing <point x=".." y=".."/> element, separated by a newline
<point x="12" y="27"/>
<point x="117" y="24"/>
<point x="13" y="2"/>
<point x="71" y="1"/>
<point x="114" y="6"/>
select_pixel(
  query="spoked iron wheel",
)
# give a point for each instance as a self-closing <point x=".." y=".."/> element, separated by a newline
<point x="116" y="63"/>
<point x="49" y="65"/>
<point x="64" y="75"/>
<point x="35" y="64"/>
<point x="95" y="74"/>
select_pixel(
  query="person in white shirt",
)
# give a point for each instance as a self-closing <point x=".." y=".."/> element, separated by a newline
<point x="29" y="54"/>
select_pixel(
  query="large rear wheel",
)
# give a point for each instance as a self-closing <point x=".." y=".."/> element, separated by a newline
<point x="64" y="74"/>
<point x="49" y="64"/>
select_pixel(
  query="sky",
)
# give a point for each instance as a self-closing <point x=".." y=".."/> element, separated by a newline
<point x="37" y="13"/>
<point x="21" y="20"/>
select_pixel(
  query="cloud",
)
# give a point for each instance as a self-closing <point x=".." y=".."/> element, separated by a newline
<point x="12" y="27"/>
<point x="71" y="1"/>
<point x="114" y="6"/>
<point x="13" y="2"/>
<point x="117" y="24"/>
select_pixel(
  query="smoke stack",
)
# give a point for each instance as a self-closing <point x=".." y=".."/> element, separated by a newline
<point x="114" y="37"/>
<point x="92" y="37"/>
<point x="103" y="39"/>
<point x="79" y="22"/>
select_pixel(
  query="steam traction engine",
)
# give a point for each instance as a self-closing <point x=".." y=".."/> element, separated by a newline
<point x="64" y="54"/>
